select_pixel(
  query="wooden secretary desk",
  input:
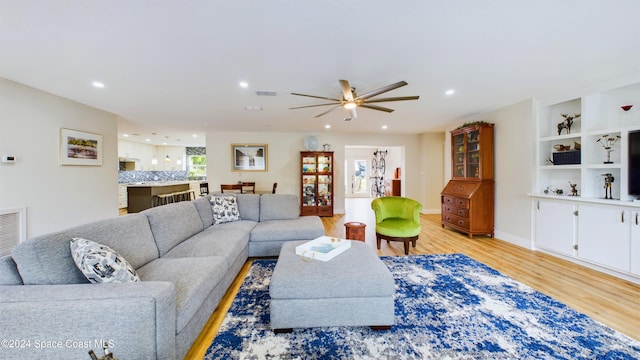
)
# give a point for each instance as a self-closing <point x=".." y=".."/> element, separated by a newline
<point x="468" y="199"/>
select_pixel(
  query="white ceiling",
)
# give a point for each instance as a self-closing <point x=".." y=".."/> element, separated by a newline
<point x="173" y="67"/>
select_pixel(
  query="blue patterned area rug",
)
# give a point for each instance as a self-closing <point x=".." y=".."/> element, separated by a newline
<point x="446" y="306"/>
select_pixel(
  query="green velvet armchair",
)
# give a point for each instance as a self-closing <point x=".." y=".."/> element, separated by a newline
<point x="397" y="219"/>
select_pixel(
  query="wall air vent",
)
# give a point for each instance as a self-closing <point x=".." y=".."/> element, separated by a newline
<point x="253" y="108"/>
<point x="266" y="93"/>
<point x="12" y="229"/>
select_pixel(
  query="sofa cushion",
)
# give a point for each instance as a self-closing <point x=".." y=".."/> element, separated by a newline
<point x="249" y="206"/>
<point x="46" y="260"/>
<point x="224" y="208"/>
<point x="100" y="264"/>
<point x="194" y="279"/>
<point x="172" y="224"/>
<point x="279" y="207"/>
<point x="203" y="206"/>
<point x="9" y="272"/>
<point x="302" y="228"/>
<point x="227" y="240"/>
<point x="130" y="236"/>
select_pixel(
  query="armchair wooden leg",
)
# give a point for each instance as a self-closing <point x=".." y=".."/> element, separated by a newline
<point x="406" y="246"/>
<point x="378" y="241"/>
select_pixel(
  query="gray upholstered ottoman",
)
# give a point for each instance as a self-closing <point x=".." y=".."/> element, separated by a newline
<point x="354" y="288"/>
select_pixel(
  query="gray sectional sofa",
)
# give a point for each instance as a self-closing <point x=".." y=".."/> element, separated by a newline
<point x="186" y="263"/>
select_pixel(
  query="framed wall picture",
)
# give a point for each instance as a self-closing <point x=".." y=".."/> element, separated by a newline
<point x="249" y="157"/>
<point x="80" y="148"/>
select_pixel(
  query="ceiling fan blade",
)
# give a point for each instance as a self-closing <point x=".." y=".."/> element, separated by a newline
<point x="328" y="111"/>
<point x="317" y="97"/>
<point x="346" y="90"/>
<point x="399" y="98"/>
<point x="375" y="107"/>
<point x="308" y="106"/>
<point x="382" y="90"/>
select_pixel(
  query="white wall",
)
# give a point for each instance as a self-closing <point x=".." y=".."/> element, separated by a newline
<point x="514" y="158"/>
<point x="432" y="166"/>
<point x="284" y="160"/>
<point x="56" y="197"/>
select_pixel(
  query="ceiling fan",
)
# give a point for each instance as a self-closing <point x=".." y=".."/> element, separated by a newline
<point x="350" y="100"/>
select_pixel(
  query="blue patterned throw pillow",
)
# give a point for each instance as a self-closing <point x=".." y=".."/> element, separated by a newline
<point x="101" y="264"/>
<point x="225" y="209"/>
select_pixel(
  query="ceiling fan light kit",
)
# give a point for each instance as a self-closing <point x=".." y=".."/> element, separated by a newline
<point x="351" y="101"/>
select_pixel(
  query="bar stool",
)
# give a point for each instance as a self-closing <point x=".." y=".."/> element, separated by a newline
<point x="186" y="195"/>
<point x="164" y="199"/>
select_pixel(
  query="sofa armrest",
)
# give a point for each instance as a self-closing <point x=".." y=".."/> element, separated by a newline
<point x="66" y="321"/>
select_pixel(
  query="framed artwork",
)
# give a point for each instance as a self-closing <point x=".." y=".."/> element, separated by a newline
<point x="249" y="157"/>
<point x="80" y="148"/>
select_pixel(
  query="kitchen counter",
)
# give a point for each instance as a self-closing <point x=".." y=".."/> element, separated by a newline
<point x="142" y="195"/>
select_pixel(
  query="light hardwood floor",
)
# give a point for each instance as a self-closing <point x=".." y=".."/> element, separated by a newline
<point x="612" y="301"/>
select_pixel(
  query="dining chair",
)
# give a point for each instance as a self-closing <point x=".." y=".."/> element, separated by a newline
<point x="204" y="189"/>
<point x="248" y="187"/>
<point x="236" y="188"/>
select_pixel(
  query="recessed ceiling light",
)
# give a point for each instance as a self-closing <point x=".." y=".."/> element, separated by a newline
<point x="384" y="127"/>
<point x="244" y="84"/>
<point x="450" y="92"/>
<point x="97" y="84"/>
<point x="195" y="135"/>
<point x="125" y="135"/>
<point x="327" y="126"/>
<point x="147" y="140"/>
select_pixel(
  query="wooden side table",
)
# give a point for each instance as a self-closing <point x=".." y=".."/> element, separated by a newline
<point x="355" y="230"/>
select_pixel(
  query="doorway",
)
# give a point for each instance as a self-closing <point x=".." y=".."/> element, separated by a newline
<point x="357" y="165"/>
<point x="356" y="178"/>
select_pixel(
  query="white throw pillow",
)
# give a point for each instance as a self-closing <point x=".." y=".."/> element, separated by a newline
<point x="225" y="209"/>
<point x="101" y="264"/>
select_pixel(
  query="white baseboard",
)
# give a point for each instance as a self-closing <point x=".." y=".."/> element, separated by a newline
<point x="513" y="239"/>
<point x="431" y="211"/>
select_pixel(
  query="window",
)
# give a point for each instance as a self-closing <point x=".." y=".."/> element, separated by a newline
<point x="197" y="166"/>
<point x="197" y="163"/>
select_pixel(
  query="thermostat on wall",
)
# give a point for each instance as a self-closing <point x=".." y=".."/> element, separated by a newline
<point x="8" y="159"/>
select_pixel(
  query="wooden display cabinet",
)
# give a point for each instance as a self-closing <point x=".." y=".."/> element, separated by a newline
<point x="316" y="173"/>
<point x="468" y="199"/>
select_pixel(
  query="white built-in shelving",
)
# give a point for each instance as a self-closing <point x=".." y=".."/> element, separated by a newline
<point x="600" y="114"/>
<point x="589" y="229"/>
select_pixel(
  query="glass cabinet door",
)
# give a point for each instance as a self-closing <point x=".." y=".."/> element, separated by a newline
<point x="324" y="190"/>
<point x="309" y="164"/>
<point x="324" y="164"/>
<point x="458" y="155"/>
<point x="309" y="190"/>
<point x="473" y="154"/>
